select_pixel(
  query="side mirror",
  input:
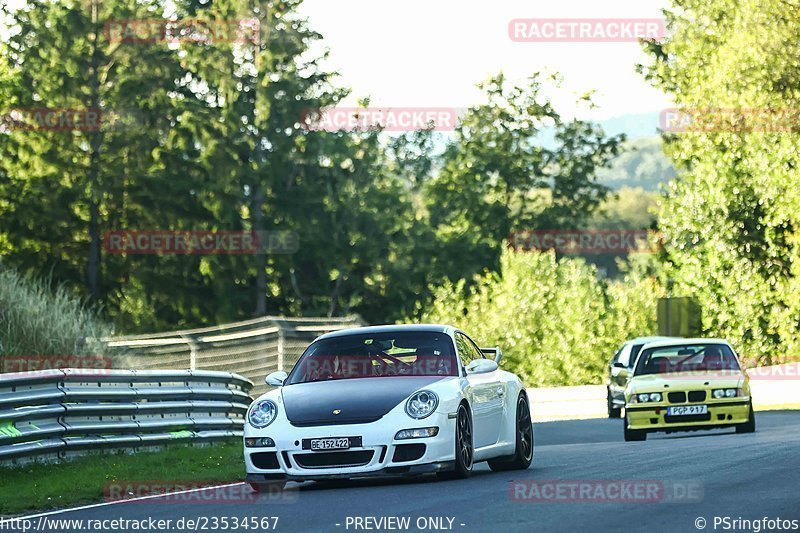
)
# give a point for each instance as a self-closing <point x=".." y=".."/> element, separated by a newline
<point x="276" y="379"/>
<point x="481" y="366"/>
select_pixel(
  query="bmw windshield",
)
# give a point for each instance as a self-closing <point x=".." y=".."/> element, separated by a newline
<point x="406" y="353"/>
<point x="687" y="358"/>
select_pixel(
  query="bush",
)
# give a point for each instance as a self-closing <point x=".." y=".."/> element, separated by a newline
<point x="35" y="320"/>
<point x="555" y="321"/>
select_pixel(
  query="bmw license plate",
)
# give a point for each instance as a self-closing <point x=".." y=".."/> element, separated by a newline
<point x="687" y="410"/>
<point x="332" y="443"/>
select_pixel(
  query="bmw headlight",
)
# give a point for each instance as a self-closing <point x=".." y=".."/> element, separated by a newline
<point x="647" y="397"/>
<point x="262" y="414"/>
<point x="725" y="393"/>
<point x="421" y="404"/>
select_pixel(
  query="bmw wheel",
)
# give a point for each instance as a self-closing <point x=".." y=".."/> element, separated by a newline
<point x="613" y="412"/>
<point x="633" y="435"/>
<point x="750" y="425"/>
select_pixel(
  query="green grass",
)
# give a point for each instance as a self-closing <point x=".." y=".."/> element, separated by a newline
<point x="38" y="487"/>
<point x="37" y="318"/>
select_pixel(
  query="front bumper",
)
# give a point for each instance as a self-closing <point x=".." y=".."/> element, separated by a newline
<point x="720" y="414"/>
<point x="378" y="455"/>
<point x="412" y="470"/>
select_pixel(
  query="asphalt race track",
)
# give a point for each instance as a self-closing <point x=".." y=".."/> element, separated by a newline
<point x="706" y="474"/>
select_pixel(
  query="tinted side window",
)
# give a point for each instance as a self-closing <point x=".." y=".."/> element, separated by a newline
<point x="476" y="352"/>
<point x="466" y="349"/>
<point x="634" y="353"/>
<point x="626" y="355"/>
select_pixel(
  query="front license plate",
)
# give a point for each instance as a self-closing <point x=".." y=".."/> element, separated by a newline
<point x="685" y="410"/>
<point x="333" y="443"/>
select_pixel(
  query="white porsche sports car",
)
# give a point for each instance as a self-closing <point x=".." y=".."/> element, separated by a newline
<point x="388" y="400"/>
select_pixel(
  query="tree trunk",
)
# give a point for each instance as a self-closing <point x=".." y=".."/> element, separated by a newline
<point x="93" y="269"/>
<point x="261" y="257"/>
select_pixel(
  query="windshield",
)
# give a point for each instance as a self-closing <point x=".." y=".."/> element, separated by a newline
<point x="686" y="358"/>
<point x="376" y="355"/>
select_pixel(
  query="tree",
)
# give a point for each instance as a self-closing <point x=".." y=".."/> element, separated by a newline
<point x="556" y="322"/>
<point x="495" y="177"/>
<point x="353" y="217"/>
<point x="136" y="169"/>
<point x="731" y="219"/>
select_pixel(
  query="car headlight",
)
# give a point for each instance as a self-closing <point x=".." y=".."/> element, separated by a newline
<point x="417" y="433"/>
<point x="725" y="393"/>
<point x="263" y="442"/>
<point x="262" y="414"/>
<point x="421" y="404"/>
<point x="647" y="397"/>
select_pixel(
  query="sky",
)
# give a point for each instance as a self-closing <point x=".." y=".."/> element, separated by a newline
<point x="433" y="52"/>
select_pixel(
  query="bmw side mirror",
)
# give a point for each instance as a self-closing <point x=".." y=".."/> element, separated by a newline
<point x="276" y="379"/>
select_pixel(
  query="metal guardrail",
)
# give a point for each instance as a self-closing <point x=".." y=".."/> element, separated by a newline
<point x="59" y="412"/>
<point x="253" y="348"/>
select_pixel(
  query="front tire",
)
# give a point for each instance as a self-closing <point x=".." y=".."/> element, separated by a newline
<point x="613" y="412"/>
<point x="750" y="425"/>
<point x="633" y="435"/>
<point x="464" y="446"/>
<point x="523" y="452"/>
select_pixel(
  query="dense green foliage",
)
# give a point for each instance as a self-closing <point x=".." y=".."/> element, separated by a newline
<point x="731" y="221"/>
<point x="627" y="208"/>
<point x="556" y="322"/>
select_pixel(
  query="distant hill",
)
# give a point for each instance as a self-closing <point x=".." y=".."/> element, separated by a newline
<point x="641" y="164"/>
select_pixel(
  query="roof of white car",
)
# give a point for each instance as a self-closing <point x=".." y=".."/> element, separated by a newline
<point x="684" y="342"/>
<point x="648" y="340"/>
<point x="436" y="328"/>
